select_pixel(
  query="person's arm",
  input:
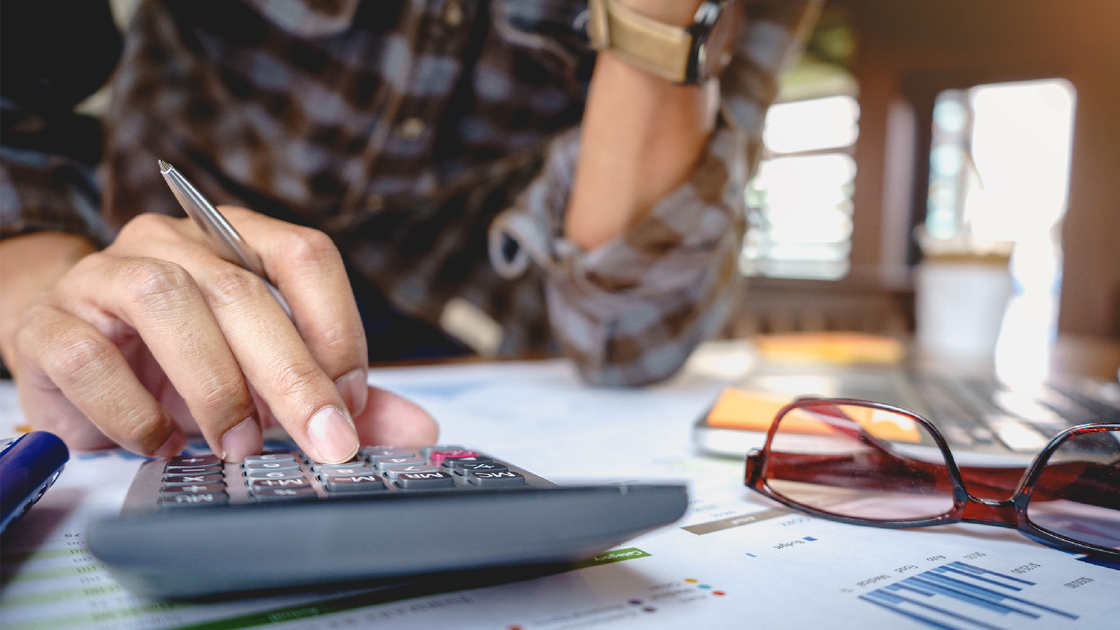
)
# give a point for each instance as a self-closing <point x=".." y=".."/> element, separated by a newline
<point x="642" y="136"/>
<point x="156" y="336"/>
<point x="639" y="229"/>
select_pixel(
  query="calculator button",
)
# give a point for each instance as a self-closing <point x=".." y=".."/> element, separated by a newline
<point x="393" y="471"/>
<point x="298" y="482"/>
<point x="382" y="451"/>
<point x="183" y="480"/>
<point x="190" y="500"/>
<point x="317" y="465"/>
<point x="270" y="457"/>
<point x="343" y="471"/>
<point x="455" y="462"/>
<point x="437" y="456"/>
<point x="193" y="470"/>
<point x="192" y="461"/>
<point x="322" y="467"/>
<point x="427" y="450"/>
<point x="354" y="483"/>
<point x="194" y="488"/>
<point x="291" y="465"/>
<point x="274" y="474"/>
<point x="282" y="494"/>
<point x="505" y="478"/>
<point x="424" y="480"/>
<point x="466" y="468"/>
<point x="384" y="462"/>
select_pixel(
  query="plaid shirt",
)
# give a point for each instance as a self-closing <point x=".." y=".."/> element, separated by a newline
<point x="435" y="141"/>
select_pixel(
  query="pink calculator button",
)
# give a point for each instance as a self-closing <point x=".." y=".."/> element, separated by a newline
<point x="437" y="457"/>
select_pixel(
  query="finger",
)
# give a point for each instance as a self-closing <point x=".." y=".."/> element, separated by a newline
<point x="307" y="268"/>
<point x="59" y="350"/>
<point x="163" y="304"/>
<point x="391" y="420"/>
<point x="272" y="355"/>
<point x="274" y="359"/>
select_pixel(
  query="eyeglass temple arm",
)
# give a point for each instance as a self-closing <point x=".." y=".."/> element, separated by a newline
<point x="1093" y="483"/>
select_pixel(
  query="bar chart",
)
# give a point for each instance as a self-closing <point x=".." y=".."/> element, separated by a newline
<point x="962" y="596"/>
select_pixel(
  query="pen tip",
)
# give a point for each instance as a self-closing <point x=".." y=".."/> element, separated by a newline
<point x="164" y="166"/>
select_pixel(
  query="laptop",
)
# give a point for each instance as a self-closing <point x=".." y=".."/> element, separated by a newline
<point x="978" y="414"/>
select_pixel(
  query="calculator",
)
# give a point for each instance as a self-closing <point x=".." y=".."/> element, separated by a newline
<point x="194" y="525"/>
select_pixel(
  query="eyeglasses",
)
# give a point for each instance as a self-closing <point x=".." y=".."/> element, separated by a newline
<point x="869" y="463"/>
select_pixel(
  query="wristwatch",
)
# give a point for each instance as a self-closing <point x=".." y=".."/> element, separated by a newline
<point x="686" y="55"/>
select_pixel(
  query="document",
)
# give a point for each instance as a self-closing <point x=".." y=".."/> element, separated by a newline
<point x="735" y="560"/>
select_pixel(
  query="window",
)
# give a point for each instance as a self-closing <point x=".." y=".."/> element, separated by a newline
<point x="800" y="201"/>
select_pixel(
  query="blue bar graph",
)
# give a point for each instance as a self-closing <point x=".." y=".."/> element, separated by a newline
<point x="961" y="596"/>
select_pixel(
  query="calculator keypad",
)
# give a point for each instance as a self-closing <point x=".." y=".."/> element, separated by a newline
<point x="279" y="476"/>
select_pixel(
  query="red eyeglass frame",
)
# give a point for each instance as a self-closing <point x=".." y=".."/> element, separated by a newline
<point x="1011" y="513"/>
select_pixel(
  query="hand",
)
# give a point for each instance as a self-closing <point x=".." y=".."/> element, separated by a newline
<point x="157" y="336"/>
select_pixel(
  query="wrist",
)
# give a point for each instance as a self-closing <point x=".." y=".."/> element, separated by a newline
<point x="675" y="12"/>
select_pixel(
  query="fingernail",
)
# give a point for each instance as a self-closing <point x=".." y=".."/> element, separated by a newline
<point x="242" y="440"/>
<point x="332" y="435"/>
<point x="173" y="446"/>
<point x="352" y="386"/>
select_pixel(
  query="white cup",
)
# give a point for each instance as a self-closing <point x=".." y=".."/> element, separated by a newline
<point x="960" y="306"/>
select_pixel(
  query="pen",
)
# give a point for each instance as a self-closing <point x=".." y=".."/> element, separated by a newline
<point x="223" y="237"/>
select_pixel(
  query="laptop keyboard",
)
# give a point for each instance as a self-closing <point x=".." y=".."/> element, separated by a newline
<point x="975" y="413"/>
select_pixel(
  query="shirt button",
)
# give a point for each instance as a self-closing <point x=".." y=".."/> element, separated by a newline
<point x="453" y="13"/>
<point x="411" y="128"/>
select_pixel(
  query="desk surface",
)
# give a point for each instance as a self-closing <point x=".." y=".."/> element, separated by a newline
<point x="735" y="556"/>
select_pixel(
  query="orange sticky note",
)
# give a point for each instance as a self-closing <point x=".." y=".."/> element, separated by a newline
<point x="752" y="411"/>
<point x="829" y="347"/>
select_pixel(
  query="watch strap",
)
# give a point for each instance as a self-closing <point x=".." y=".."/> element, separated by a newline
<point x="661" y="49"/>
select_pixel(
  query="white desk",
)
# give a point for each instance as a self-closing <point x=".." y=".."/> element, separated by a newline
<point x="742" y="563"/>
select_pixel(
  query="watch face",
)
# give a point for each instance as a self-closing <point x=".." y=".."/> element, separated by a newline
<point x="716" y="49"/>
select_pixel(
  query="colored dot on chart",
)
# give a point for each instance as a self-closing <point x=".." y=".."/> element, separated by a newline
<point x="718" y="593"/>
<point x="649" y="609"/>
<point x="636" y="602"/>
<point x="691" y="580"/>
<point x="705" y="586"/>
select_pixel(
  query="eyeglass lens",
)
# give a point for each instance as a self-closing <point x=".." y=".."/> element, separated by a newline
<point x="859" y="462"/>
<point x="1078" y="493"/>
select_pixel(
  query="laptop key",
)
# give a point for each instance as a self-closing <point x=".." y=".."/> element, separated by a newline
<point x="1015" y="434"/>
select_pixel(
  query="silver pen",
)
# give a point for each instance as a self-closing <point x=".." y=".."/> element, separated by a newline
<point x="225" y="240"/>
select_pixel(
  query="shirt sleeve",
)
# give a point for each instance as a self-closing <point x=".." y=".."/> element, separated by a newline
<point x="631" y="311"/>
<point x="43" y="192"/>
